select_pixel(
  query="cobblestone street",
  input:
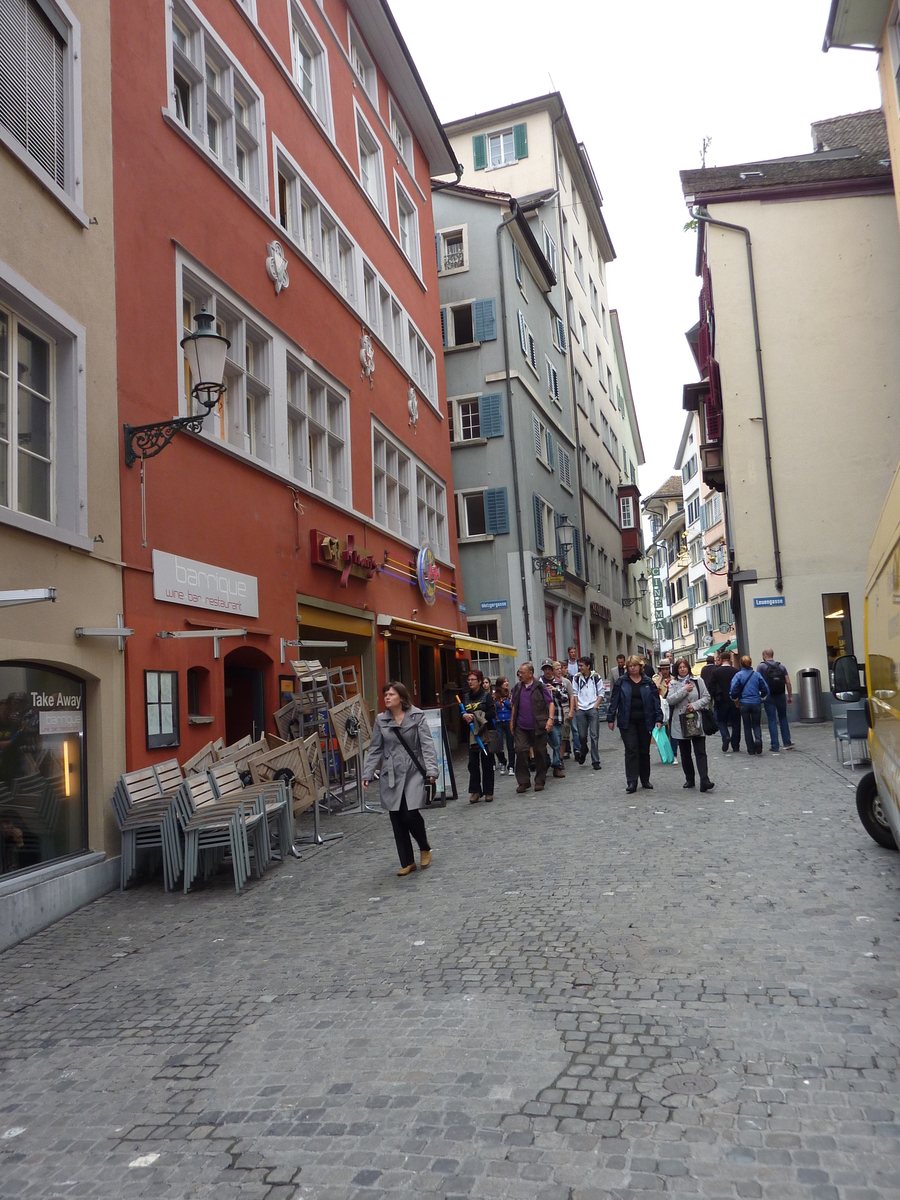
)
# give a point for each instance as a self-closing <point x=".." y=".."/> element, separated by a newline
<point x="589" y="996"/>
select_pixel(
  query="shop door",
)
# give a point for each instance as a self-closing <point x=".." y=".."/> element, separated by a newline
<point x="427" y="691"/>
<point x="244" y="704"/>
<point x="399" y="665"/>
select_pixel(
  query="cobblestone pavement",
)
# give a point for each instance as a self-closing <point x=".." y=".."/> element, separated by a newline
<point x="589" y="996"/>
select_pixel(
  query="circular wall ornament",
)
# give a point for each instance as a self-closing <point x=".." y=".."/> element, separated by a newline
<point x="427" y="573"/>
<point x="277" y="266"/>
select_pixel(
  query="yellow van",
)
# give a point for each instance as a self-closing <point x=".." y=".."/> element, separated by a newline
<point x="878" y="792"/>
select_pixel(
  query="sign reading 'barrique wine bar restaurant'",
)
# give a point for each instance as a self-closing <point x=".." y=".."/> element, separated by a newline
<point x="178" y="580"/>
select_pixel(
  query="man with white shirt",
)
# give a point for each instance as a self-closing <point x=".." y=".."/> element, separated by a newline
<point x="590" y="690"/>
<point x="572" y="671"/>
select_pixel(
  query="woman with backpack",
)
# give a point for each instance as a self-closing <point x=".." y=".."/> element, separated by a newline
<point x="748" y="690"/>
<point x="778" y="681"/>
<point x="687" y="698"/>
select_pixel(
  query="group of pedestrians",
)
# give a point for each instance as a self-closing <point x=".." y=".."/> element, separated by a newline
<point x="529" y="729"/>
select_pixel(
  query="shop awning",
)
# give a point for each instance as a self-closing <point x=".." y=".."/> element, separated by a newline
<point x="335" y="622"/>
<point x="482" y="646"/>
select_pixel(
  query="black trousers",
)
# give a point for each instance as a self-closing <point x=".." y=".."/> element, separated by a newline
<point x="729" y="720"/>
<point x="405" y="822"/>
<point x="481" y="771"/>
<point x="637" y="739"/>
<point x="698" y="745"/>
<point x="750" y="716"/>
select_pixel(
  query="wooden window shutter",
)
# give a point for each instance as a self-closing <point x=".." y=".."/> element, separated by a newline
<point x="522" y="340"/>
<point x="484" y="321"/>
<point x="479" y="151"/>
<point x="538" y="506"/>
<point x="490" y="415"/>
<point x="520" y="140"/>
<point x="496" y="510"/>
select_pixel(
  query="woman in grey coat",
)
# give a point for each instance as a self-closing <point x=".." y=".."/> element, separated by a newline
<point x="402" y="785"/>
<point x="687" y="697"/>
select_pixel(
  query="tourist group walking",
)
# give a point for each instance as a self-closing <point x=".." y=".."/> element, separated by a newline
<point x="528" y="730"/>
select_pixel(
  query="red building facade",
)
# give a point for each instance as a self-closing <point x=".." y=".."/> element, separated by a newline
<point x="272" y="166"/>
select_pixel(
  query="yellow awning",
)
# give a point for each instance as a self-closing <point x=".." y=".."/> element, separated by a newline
<point x="463" y="642"/>
<point x="335" y="622"/>
<point x="419" y="629"/>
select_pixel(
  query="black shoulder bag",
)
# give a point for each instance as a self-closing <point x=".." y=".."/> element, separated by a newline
<point x="430" y="788"/>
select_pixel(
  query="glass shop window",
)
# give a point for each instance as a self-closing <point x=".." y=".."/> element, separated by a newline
<point x="43" y="813"/>
<point x="161" y="706"/>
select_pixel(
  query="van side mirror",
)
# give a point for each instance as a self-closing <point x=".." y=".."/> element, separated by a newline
<point x="845" y="679"/>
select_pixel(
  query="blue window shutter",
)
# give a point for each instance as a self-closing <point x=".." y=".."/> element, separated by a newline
<point x="444" y="326"/>
<point x="484" y="320"/>
<point x="550" y="455"/>
<point x="520" y="140"/>
<point x="538" y="521"/>
<point x="496" y="510"/>
<point x="522" y="342"/>
<point x="576" y="551"/>
<point x="479" y="151"/>
<point x="490" y="415"/>
<point x="437" y="249"/>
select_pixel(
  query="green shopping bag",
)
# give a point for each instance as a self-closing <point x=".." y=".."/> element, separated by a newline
<point x="664" y="746"/>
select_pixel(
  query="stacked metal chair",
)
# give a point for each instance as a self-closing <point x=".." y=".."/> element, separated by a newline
<point x="212" y="827"/>
<point x="147" y="820"/>
<point x="227" y="785"/>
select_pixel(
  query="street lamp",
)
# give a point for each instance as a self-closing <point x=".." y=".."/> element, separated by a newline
<point x="642" y="585"/>
<point x="205" y="351"/>
<point x="565" y="540"/>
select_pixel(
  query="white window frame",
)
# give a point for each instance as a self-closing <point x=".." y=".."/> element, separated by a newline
<point x="455" y="419"/>
<point x="564" y="465"/>
<point x="206" y="47"/>
<point x="362" y="62"/>
<point x="413" y="253"/>
<point x="549" y="526"/>
<point x="549" y="245"/>
<point x="368" y="144"/>
<point x="626" y="512"/>
<point x="539" y="431"/>
<point x="504" y="161"/>
<point x="486" y="631"/>
<point x="449" y="328"/>
<point x="443" y="235"/>
<point x="528" y="344"/>
<point x="462" y="515"/>
<point x="416" y="470"/>
<point x="404" y="150"/>
<point x="71" y="194"/>
<point x="421" y="363"/>
<point x="323" y="449"/>
<point x="692" y="509"/>
<point x="319" y="101"/>
<point x="202" y="285"/>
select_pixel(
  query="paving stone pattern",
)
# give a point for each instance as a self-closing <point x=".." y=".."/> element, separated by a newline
<point x="589" y="996"/>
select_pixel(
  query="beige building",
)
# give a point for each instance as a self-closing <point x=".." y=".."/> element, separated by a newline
<point x="61" y="695"/>
<point x="530" y="150"/>
<point x="798" y="409"/>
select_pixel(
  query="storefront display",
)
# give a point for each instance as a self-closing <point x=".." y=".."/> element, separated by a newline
<point x="42" y="777"/>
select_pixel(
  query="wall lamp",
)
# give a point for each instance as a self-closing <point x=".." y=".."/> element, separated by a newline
<point x="642" y="584"/>
<point x="205" y="352"/>
<point x="565" y="540"/>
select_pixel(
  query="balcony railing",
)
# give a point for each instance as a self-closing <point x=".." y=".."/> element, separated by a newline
<point x="454" y="259"/>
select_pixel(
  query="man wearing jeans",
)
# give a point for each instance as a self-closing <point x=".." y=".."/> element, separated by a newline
<point x="560" y="708"/>
<point x="780" y="696"/>
<point x="589" y="692"/>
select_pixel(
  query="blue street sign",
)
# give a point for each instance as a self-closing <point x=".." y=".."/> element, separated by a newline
<point x="768" y="601"/>
<point x="486" y="605"/>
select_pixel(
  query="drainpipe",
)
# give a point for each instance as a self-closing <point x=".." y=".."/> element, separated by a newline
<point x="570" y="356"/>
<point x="512" y="440"/>
<point x="701" y="214"/>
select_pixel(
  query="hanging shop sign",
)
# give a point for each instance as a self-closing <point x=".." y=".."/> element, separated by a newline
<point x="427" y="573"/>
<point x="178" y="580"/>
<point x="341" y="554"/>
<point x="555" y="580"/>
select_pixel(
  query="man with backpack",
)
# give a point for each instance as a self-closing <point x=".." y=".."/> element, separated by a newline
<point x="590" y="691"/>
<point x="780" y="696"/>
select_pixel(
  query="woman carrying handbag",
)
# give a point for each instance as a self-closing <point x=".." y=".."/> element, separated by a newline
<point x="689" y="702"/>
<point x="403" y="747"/>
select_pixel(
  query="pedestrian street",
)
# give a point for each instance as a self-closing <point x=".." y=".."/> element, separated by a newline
<point x="588" y="996"/>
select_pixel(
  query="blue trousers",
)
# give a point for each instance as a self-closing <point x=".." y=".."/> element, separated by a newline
<point x="588" y="724"/>
<point x="729" y="721"/>
<point x="554" y="741"/>
<point x="776" y="711"/>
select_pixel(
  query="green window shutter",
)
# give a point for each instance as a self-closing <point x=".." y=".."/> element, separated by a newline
<point x="520" y="140"/>
<point x="484" y="321"/>
<point x="444" y="326"/>
<point x="496" y="510"/>
<point x="490" y="415"/>
<point x="538" y="521"/>
<point x="479" y="151"/>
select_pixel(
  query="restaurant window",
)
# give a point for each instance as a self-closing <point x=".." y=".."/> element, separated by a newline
<point x="161" y="708"/>
<point x="838" y="629"/>
<point x="42" y="773"/>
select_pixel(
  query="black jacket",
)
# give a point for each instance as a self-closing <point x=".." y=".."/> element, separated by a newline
<point x="620" y="703"/>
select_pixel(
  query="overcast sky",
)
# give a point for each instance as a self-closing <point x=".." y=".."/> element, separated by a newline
<point x="644" y="83"/>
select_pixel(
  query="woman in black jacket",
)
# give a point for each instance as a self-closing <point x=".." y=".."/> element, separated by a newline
<point x="635" y="708"/>
<point x="479" y="711"/>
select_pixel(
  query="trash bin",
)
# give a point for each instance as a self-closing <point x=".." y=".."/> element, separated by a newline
<point x="810" y="689"/>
